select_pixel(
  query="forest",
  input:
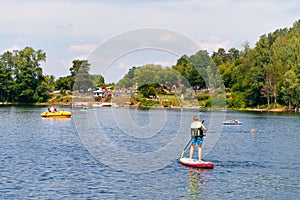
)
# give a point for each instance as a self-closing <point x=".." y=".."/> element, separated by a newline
<point x="266" y="75"/>
<point x="22" y="79"/>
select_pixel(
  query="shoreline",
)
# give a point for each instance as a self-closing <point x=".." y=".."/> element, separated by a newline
<point x="69" y="104"/>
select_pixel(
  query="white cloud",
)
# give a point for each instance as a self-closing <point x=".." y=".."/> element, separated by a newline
<point x="164" y="63"/>
<point x="168" y="38"/>
<point x="214" y="43"/>
<point x="17" y="45"/>
<point x="65" y="62"/>
<point x="60" y="24"/>
<point x="122" y="65"/>
<point x="13" y="47"/>
<point x="85" y="48"/>
<point x="103" y="19"/>
<point x="81" y="57"/>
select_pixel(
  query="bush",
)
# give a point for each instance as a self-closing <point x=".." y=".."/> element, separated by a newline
<point x="148" y="102"/>
<point x="166" y="103"/>
<point x="97" y="99"/>
<point x="237" y="100"/>
<point x="207" y="104"/>
<point x="148" y="90"/>
<point x="218" y="101"/>
<point x="202" y="97"/>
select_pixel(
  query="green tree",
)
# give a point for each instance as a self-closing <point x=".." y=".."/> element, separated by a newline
<point x="6" y="76"/>
<point x="170" y="77"/>
<point x="201" y="60"/>
<point x="46" y="85"/>
<point x="148" y="74"/>
<point x="228" y="65"/>
<point x="98" y="80"/>
<point x="149" y="89"/>
<point x="83" y="81"/>
<point x="126" y="81"/>
<point x="191" y="75"/>
<point x="219" y="57"/>
<point x="233" y="54"/>
<point x="28" y="75"/>
<point x="257" y="91"/>
<point x="131" y="72"/>
<point x="181" y="63"/>
<point x="64" y="83"/>
<point x="291" y="89"/>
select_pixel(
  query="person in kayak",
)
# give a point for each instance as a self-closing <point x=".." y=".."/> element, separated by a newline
<point x="197" y="129"/>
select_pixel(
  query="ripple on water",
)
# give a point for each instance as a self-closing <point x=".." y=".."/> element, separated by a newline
<point x="45" y="159"/>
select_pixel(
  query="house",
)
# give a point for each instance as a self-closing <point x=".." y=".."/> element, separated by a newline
<point x="98" y="93"/>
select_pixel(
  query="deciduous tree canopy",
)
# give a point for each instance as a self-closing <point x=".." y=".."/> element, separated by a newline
<point x="268" y="74"/>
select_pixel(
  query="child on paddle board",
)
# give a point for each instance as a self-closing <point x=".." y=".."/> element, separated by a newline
<point x="197" y="129"/>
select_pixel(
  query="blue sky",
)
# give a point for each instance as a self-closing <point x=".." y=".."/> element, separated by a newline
<point x="68" y="30"/>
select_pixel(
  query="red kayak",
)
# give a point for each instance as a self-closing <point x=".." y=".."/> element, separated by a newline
<point x="195" y="163"/>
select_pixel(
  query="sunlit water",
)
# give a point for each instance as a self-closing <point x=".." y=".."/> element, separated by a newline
<point x="49" y="159"/>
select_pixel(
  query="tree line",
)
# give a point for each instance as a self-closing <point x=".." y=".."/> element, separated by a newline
<point x="22" y="79"/>
<point x="266" y="75"/>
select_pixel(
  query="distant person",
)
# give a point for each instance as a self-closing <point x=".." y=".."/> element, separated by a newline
<point x="52" y="109"/>
<point x="197" y="129"/>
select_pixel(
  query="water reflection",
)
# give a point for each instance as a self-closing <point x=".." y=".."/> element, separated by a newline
<point x="197" y="179"/>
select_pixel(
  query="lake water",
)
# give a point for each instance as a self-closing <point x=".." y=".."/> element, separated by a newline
<point x="120" y="153"/>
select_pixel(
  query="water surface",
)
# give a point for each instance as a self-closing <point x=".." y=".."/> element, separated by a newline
<point x="47" y="158"/>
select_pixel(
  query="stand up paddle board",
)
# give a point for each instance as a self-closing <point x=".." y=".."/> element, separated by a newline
<point x="195" y="163"/>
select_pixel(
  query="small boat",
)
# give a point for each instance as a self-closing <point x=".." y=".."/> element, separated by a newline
<point x="105" y="104"/>
<point x="109" y="104"/>
<point x="57" y="114"/>
<point x="232" y="122"/>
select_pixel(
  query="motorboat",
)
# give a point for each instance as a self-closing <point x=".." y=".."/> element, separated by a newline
<point x="105" y="104"/>
<point x="232" y="122"/>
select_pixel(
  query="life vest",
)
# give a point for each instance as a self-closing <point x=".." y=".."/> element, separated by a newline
<point x="197" y="132"/>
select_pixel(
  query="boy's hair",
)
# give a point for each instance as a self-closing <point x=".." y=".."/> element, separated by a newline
<point x="195" y="118"/>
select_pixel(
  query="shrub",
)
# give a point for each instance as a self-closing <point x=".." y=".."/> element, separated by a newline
<point x="202" y="97"/>
<point x="237" y="100"/>
<point x="148" y="102"/>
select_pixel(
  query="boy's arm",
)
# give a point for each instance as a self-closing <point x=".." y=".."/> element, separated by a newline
<point x="203" y="127"/>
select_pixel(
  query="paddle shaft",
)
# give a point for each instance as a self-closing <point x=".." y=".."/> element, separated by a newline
<point x="186" y="147"/>
<point x="187" y="144"/>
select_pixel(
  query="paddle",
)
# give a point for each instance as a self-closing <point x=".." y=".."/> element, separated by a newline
<point x="182" y="154"/>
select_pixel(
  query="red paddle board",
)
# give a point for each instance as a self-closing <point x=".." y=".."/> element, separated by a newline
<point x="196" y="163"/>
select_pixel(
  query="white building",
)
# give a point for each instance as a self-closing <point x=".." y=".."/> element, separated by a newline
<point x="98" y="93"/>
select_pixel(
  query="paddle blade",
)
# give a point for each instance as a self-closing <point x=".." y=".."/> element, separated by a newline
<point x="182" y="154"/>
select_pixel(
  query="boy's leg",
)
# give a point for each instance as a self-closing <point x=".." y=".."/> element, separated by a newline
<point x="192" y="151"/>
<point x="199" y="152"/>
